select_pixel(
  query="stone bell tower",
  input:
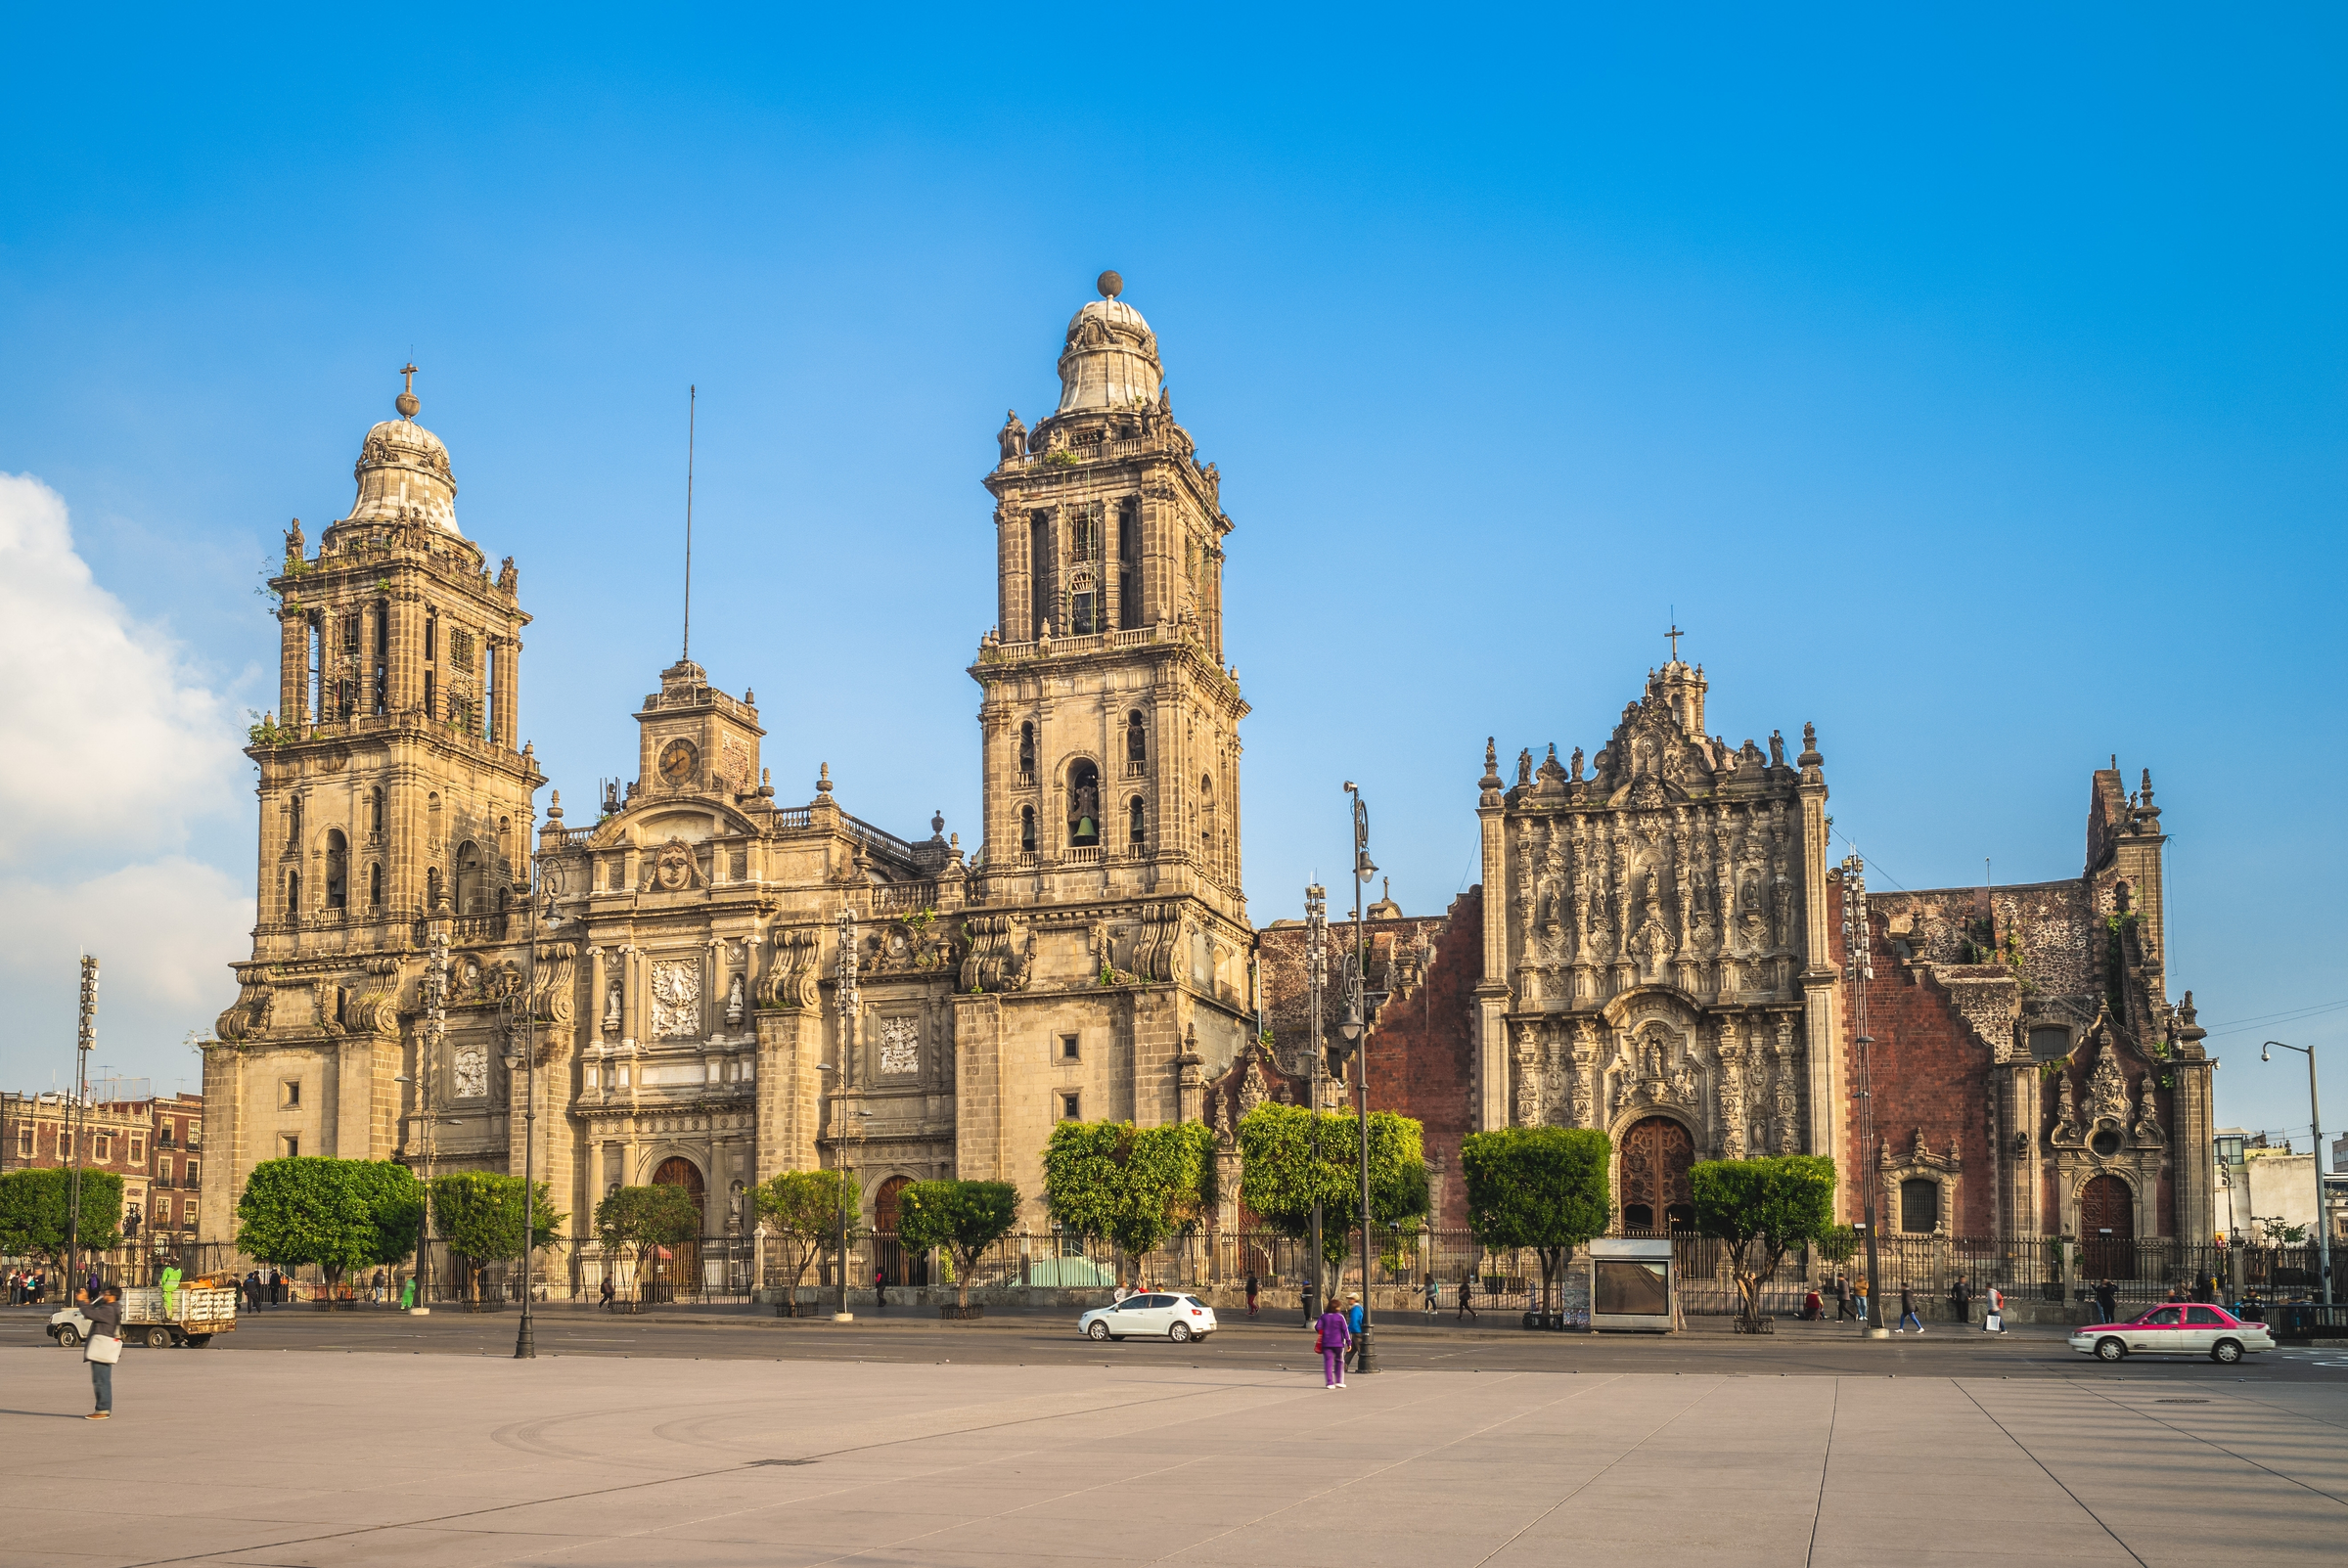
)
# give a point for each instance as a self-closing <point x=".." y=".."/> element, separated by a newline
<point x="1107" y="966"/>
<point x="395" y="801"/>
<point x="1110" y="722"/>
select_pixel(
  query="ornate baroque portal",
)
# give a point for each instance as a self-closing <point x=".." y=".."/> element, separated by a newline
<point x="1663" y="958"/>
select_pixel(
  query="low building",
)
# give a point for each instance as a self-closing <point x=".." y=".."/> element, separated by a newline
<point x="154" y="1143"/>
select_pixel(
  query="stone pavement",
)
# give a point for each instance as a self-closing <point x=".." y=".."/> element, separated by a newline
<point x="424" y="1461"/>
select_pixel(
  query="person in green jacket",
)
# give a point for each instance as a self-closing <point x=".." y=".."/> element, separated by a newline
<point x="407" y="1294"/>
<point x="170" y="1284"/>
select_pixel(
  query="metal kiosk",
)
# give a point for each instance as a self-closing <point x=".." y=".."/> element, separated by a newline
<point x="1632" y="1284"/>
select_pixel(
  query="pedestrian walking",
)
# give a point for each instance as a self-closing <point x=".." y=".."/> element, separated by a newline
<point x="1993" y="1320"/>
<point x="1434" y="1291"/>
<point x="380" y="1281"/>
<point x="277" y="1288"/>
<point x="407" y="1294"/>
<point x="104" y="1347"/>
<point x="880" y="1290"/>
<point x="1253" y="1285"/>
<point x="1353" y="1316"/>
<point x="1330" y="1337"/>
<point x="2107" y="1301"/>
<point x="607" y="1298"/>
<point x="1842" y="1299"/>
<point x="1467" y="1295"/>
<point x="1908" y="1311"/>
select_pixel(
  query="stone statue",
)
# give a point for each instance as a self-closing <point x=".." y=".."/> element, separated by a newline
<point x="611" y="1010"/>
<point x="295" y="544"/>
<point x="508" y="579"/>
<point x="1577" y="764"/>
<point x="1524" y="766"/>
<point x="1013" y="437"/>
<point x="1777" y="748"/>
<point x="733" y="1001"/>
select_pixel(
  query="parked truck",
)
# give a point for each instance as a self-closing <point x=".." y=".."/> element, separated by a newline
<point x="197" y="1313"/>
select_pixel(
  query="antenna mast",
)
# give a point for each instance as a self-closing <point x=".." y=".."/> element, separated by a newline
<point x="692" y="407"/>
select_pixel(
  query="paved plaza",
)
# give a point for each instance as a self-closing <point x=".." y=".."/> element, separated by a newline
<point x="286" y="1457"/>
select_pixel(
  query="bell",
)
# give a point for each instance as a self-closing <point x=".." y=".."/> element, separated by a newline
<point x="1085" y="827"/>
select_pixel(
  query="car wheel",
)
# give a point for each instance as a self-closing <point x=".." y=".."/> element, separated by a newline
<point x="2226" y="1352"/>
<point x="158" y="1339"/>
<point x="1180" y="1333"/>
<point x="1099" y="1331"/>
<point x="2110" y="1348"/>
<point x="68" y="1338"/>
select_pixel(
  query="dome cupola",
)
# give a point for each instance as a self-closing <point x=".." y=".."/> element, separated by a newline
<point x="403" y="471"/>
<point x="1110" y="362"/>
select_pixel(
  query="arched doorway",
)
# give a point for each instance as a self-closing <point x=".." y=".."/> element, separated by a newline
<point x="2108" y="1227"/>
<point x="681" y="1271"/>
<point x="1655" y="1157"/>
<point x="888" y="1256"/>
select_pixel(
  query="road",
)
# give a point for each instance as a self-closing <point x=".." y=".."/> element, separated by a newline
<point x="1034" y="1339"/>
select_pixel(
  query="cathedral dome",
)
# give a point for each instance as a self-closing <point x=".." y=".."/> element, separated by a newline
<point x="403" y="473"/>
<point x="1111" y="361"/>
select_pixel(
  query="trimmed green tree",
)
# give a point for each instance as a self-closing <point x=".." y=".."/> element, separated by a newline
<point x="335" y="1215"/>
<point x="651" y="1219"/>
<point x="480" y="1214"/>
<point x="804" y="1211"/>
<point x="1543" y="1188"/>
<point x="35" y="1208"/>
<point x="1762" y="1208"/>
<point x="965" y="1218"/>
<point x="1136" y="1185"/>
<point x="1288" y="1157"/>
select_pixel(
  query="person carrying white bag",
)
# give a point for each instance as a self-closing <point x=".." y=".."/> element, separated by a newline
<point x="104" y="1347"/>
<point x="1995" y="1322"/>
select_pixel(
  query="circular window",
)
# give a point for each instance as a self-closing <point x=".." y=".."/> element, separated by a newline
<point x="2106" y="1141"/>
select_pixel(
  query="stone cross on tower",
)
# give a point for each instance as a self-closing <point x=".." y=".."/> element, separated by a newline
<point x="1674" y="636"/>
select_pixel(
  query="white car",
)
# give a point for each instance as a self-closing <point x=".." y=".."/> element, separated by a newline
<point x="1177" y="1318"/>
<point x="2175" y="1330"/>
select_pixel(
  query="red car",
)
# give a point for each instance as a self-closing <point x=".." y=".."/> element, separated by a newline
<point x="2174" y="1329"/>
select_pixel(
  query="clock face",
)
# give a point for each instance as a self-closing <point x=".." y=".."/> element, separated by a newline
<point x="678" y="759"/>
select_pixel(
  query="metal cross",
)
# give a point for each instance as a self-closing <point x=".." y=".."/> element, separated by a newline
<point x="1675" y="634"/>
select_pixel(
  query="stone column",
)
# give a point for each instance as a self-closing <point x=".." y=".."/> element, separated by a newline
<point x="1489" y="1093"/>
<point x="293" y="669"/>
<point x="506" y="671"/>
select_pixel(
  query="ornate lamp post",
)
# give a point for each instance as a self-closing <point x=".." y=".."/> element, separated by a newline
<point x="523" y="1055"/>
<point x="1353" y="1029"/>
<point x="1316" y="977"/>
<point x="77" y="1119"/>
<point x="2315" y="1113"/>
<point x="1856" y="941"/>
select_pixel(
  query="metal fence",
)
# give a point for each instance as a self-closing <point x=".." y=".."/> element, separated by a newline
<point x="729" y="1268"/>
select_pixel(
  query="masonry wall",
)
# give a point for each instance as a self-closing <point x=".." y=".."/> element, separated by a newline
<point x="1421" y="1051"/>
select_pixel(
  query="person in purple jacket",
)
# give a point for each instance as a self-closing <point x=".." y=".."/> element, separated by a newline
<point x="1330" y="1336"/>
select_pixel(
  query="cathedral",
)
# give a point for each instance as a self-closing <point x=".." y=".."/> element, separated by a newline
<point x="722" y="984"/>
<point x="712" y="985"/>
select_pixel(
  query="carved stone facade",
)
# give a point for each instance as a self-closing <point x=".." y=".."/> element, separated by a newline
<point x="1655" y="945"/>
<point x="727" y="982"/>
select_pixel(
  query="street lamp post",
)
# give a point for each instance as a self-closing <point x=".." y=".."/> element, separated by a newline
<point x="1354" y="1029"/>
<point x="525" y="1057"/>
<point x="2315" y="1113"/>
<point x="1316" y="977"/>
<point x="1857" y="947"/>
<point x="77" y="1117"/>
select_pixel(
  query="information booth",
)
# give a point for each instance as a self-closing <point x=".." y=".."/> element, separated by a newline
<point x="1631" y="1284"/>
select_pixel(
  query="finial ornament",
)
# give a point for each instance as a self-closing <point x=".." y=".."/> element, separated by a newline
<point x="823" y="779"/>
<point x="1110" y="285"/>
<point x="406" y="402"/>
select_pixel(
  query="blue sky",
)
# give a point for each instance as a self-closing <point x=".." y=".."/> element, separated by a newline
<point x="1966" y="380"/>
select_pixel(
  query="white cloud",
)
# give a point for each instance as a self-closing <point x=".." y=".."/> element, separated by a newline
<point x="164" y="932"/>
<point x="108" y="746"/>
